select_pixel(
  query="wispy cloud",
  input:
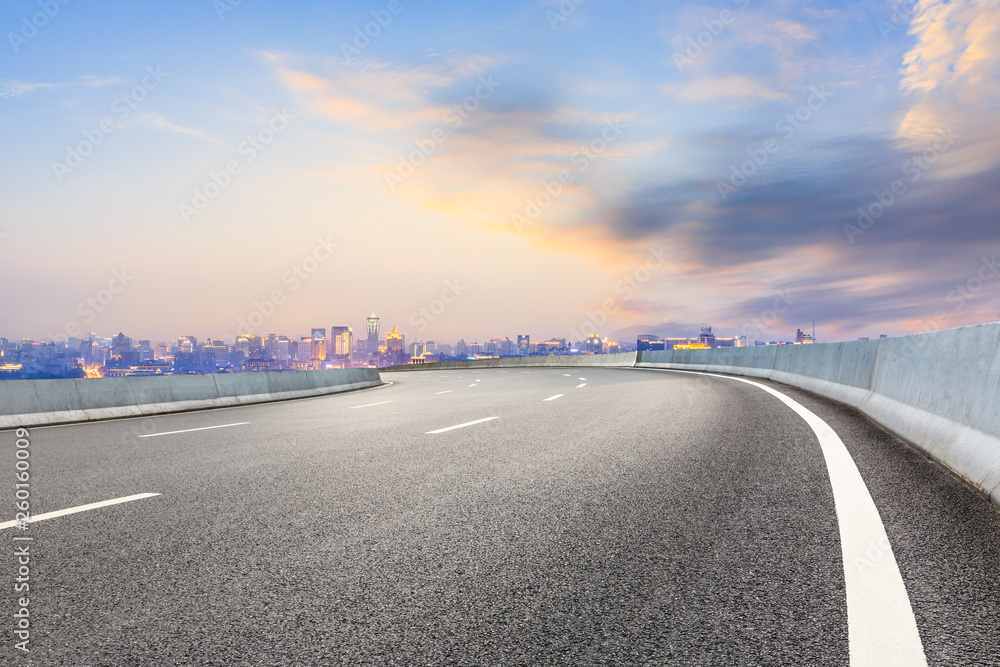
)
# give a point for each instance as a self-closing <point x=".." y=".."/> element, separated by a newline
<point x="950" y="74"/>
<point x="712" y="89"/>
<point x="158" y="122"/>
<point x="10" y="88"/>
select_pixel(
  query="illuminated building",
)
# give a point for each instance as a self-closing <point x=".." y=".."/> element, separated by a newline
<point x="648" y="342"/>
<point x="342" y="339"/>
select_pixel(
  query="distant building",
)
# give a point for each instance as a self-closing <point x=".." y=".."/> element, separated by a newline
<point x="649" y="342"/>
<point x="803" y="338"/>
<point x="524" y="345"/>
<point x="342" y="339"/>
<point x="706" y="338"/>
<point x="372" y="325"/>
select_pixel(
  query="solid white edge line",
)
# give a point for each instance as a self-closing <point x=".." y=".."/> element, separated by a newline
<point x="452" y="428"/>
<point x="81" y="508"/>
<point x="882" y="629"/>
<point x="369" y="405"/>
<point x="192" y="430"/>
<point x="552" y="398"/>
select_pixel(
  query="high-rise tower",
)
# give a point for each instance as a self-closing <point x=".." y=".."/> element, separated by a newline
<point x="371" y="347"/>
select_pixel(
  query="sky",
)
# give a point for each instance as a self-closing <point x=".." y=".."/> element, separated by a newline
<point x="469" y="170"/>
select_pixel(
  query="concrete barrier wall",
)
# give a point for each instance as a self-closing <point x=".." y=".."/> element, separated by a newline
<point x="939" y="390"/>
<point x="38" y="402"/>
<point x="619" y="360"/>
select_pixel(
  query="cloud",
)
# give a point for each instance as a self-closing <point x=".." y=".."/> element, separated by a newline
<point x="711" y="89"/>
<point x="158" y="122"/>
<point x="789" y="232"/>
<point x="950" y="74"/>
<point x="10" y="88"/>
<point x="95" y="81"/>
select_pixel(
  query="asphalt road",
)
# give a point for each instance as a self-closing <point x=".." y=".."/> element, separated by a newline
<point x="642" y="518"/>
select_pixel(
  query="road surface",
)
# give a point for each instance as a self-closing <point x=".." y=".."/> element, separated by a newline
<point x="491" y="517"/>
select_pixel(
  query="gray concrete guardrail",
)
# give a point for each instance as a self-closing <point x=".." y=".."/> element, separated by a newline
<point x="619" y="360"/>
<point x="938" y="390"/>
<point x="40" y="402"/>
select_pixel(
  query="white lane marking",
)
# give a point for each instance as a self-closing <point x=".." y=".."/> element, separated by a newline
<point x="81" y="508"/>
<point x="191" y="430"/>
<point x="881" y="627"/>
<point x="582" y="379"/>
<point x="369" y="405"/>
<point x="552" y="398"/>
<point x="567" y="375"/>
<point x="478" y="380"/>
<point x="473" y="385"/>
<point x="452" y="428"/>
<point x="444" y="392"/>
<point x="581" y="385"/>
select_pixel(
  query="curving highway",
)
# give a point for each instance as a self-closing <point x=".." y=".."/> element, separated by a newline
<point x="517" y="517"/>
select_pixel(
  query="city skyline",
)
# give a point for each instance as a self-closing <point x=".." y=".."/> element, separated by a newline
<point x="536" y="166"/>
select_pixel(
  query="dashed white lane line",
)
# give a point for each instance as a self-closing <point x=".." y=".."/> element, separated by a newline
<point x="369" y="405"/>
<point x="82" y="508"/>
<point x="582" y="379"/>
<point x="552" y="398"/>
<point x="567" y="375"/>
<point x="473" y="385"/>
<point x="880" y="624"/>
<point x="444" y="392"/>
<point x="191" y="430"/>
<point x="452" y="428"/>
<point x="581" y="385"/>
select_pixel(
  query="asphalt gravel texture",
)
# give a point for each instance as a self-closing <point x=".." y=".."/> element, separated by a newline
<point x="647" y="518"/>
